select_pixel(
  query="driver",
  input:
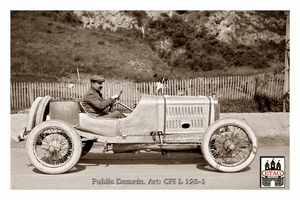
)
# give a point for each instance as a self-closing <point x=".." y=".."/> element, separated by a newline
<point x="94" y="103"/>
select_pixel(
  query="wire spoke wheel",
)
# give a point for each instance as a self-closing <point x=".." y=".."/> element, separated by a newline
<point x="229" y="145"/>
<point x="53" y="147"/>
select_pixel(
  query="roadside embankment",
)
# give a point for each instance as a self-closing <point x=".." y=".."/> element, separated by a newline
<point x="269" y="128"/>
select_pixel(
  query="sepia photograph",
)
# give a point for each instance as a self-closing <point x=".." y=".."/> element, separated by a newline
<point x="130" y="98"/>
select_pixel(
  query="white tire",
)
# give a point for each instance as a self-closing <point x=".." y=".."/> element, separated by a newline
<point x="229" y="145"/>
<point x="53" y="147"/>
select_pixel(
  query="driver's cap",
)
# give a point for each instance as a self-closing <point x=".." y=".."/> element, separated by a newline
<point x="96" y="78"/>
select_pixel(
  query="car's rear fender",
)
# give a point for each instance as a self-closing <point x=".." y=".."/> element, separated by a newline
<point x="32" y="114"/>
<point x="38" y="112"/>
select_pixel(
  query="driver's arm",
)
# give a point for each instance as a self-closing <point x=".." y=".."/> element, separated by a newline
<point x="94" y="101"/>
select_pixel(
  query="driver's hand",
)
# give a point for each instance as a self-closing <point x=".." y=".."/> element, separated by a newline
<point x="115" y="97"/>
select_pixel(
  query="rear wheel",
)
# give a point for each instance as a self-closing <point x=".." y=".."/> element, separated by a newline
<point x="229" y="145"/>
<point x="86" y="147"/>
<point x="53" y="147"/>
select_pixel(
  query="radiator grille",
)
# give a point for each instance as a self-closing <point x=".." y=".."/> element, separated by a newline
<point x="187" y="111"/>
<point x="186" y="118"/>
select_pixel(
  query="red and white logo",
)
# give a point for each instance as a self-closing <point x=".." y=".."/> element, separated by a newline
<point x="272" y="173"/>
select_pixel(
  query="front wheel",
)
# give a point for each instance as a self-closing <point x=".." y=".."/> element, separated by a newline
<point x="229" y="145"/>
<point x="53" y="147"/>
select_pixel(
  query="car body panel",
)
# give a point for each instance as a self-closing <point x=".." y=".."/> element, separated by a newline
<point x="187" y="115"/>
<point x="66" y="111"/>
<point x="158" y="123"/>
<point x="142" y="121"/>
<point x="99" y="126"/>
<point x="147" y="117"/>
<point x="156" y="119"/>
<point x="155" y="114"/>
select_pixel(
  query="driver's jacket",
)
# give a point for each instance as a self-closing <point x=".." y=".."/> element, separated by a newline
<point x="94" y="104"/>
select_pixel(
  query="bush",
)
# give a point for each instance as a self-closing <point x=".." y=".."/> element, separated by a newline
<point x="140" y="16"/>
<point x="270" y="56"/>
<point x="256" y="105"/>
<point x="78" y="58"/>
<point x="70" y="17"/>
<point x="101" y="42"/>
<point x="238" y="106"/>
<point x="178" y="40"/>
<point x="130" y="34"/>
<point x="165" y="55"/>
<point x="246" y="57"/>
<point x="207" y="63"/>
<point x="267" y="104"/>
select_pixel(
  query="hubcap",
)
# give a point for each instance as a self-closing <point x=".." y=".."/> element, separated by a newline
<point x="229" y="145"/>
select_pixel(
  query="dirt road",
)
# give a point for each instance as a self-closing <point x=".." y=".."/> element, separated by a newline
<point x="140" y="171"/>
<point x="153" y="170"/>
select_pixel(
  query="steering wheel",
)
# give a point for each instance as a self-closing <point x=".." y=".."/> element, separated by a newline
<point x="120" y="103"/>
<point x="112" y="105"/>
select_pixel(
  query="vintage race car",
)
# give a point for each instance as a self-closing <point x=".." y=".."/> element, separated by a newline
<point x="60" y="132"/>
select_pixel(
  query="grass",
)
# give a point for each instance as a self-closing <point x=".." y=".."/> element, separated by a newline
<point x="257" y="105"/>
<point x="58" y="50"/>
<point x="49" y="46"/>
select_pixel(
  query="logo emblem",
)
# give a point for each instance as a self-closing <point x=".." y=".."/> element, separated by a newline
<point x="272" y="171"/>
